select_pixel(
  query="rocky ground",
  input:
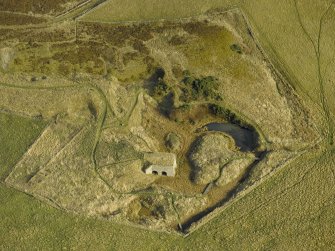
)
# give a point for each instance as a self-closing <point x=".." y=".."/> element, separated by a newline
<point x="111" y="92"/>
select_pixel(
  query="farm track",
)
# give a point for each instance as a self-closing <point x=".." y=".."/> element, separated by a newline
<point x="317" y="52"/>
<point x="79" y="10"/>
<point x="99" y="128"/>
<point x="71" y="14"/>
<point x="102" y="118"/>
<point x="276" y="61"/>
<point x="100" y="122"/>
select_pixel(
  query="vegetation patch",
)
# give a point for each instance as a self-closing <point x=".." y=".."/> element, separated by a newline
<point x="271" y="215"/>
<point x="19" y="19"/>
<point x="229" y="116"/>
<point x="146" y="10"/>
<point x="237" y="48"/>
<point x="16" y="135"/>
<point x="138" y="88"/>
<point x="37" y="6"/>
<point x="196" y="88"/>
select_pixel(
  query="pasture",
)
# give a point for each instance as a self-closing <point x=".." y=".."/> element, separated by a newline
<point x="292" y="210"/>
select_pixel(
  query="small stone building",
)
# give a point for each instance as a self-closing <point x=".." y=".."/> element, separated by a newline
<point x="164" y="164"/>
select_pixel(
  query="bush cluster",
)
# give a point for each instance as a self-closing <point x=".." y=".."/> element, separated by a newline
<point x="236" y="48"/>
<point x="195" y="88"/>
<point x="229" y="116"/>
<point x="161" y="88"/>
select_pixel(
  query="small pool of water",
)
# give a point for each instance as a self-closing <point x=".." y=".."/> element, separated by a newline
<point x="246" y="139"/>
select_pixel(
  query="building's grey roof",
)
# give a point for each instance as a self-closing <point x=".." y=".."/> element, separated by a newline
<point x="162" y="159"/>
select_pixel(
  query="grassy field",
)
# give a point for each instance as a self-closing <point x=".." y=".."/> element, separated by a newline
<point x="306" y="57"/>
<point x="37" y="6"/>
<point x="18" y="19"/>
<point x="16" y="135"/>
<point x="28" y="224"/>
<point x="272" y="29"/>
<point x="282" y="214"/>
<point x="294" y="210"/>
<point x="311" y="23"/>
<point x="129" y="10"/>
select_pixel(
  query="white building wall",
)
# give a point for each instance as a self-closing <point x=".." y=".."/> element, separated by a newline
<point x="169" y="170"/>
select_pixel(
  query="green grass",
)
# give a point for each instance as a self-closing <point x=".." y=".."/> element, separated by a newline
<point x="294" y="210"/>
<point x="287" y="214"/>
<point x="16" y="135"/>
<point x="305" y="57"/>
<point x="28" y="224"/>
<point x="130" y="10"/>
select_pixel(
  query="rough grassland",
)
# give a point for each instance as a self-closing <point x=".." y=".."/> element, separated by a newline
<point x="28" y="224"/>
<point x="274" y="24"/>
<point x="36" y="6"/>
<point x="145" y="10"/>
<point x="19" y="19"/>
<point x="295" y="210"/>
<point x="16" y="135"/>
<point x="307" y="56"/>
<point x="289" y="50"/>
<point x="281" y="214"/>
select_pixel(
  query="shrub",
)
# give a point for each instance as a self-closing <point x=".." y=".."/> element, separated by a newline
<point x="161" y="88"/>
<point x="199" y="87"/>
<point x="236" y="48"/>
<point x="229" y="116"/>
